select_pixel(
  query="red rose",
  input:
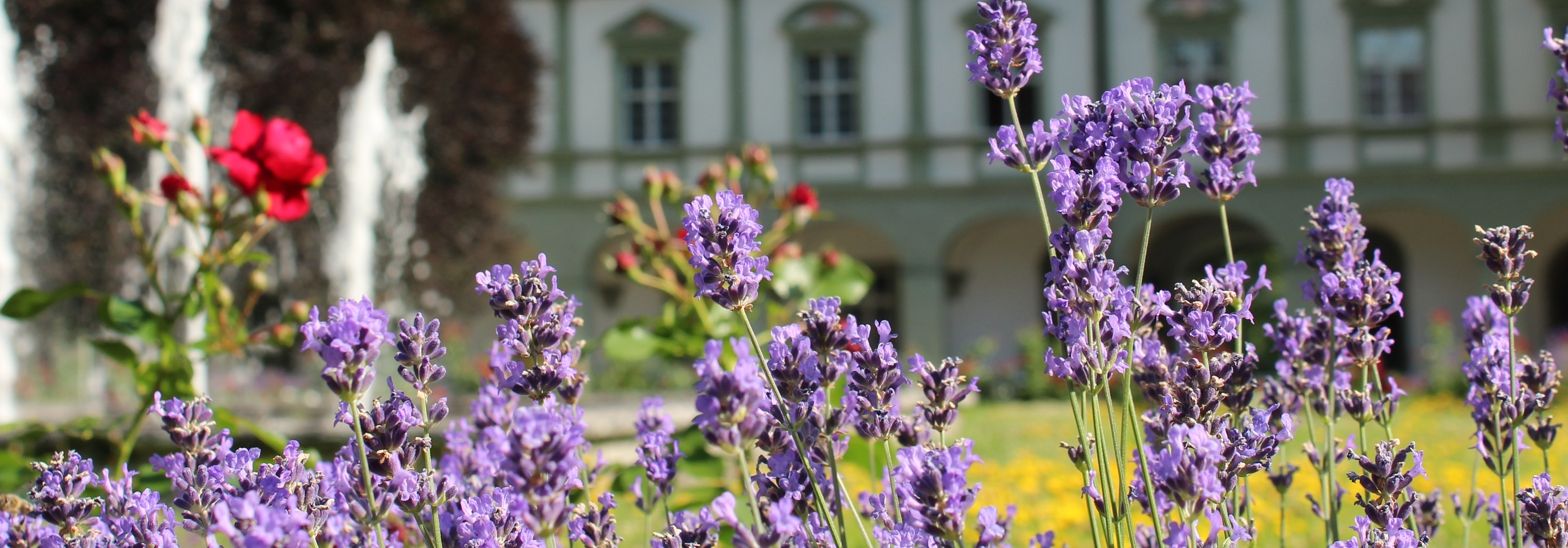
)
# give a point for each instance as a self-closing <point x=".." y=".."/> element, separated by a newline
<point x="625" y="261"/>
<point x="172" y="185"/>
<point x="148" y="130"/>
<point x="802" y="195"/>
<point x="275" y="156"/>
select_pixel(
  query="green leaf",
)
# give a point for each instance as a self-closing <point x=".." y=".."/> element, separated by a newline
<point x="123" y="316"/>
<point x="630" y="342"/>
<point x="28" y="302"/>
<point x="793" y="276"/>
<point x="117" y="351"/>
<point x="850" y="280"/>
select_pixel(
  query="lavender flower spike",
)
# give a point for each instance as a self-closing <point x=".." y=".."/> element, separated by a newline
<point x="657" y="453"/>
<point x="1004" y="46"/>
<point x="944" y="388"/>
<point x="348" y="342"/>
<point x="731" y="405"/>
<point x="721" y="235"/>
<point x="1504" y="250"/>
<point x="1557" y="90"/>
<point x="1030" y="157"/>
<point x="1543" y="510"/>
<point x="418" y="346"/>
<point x="1224" y="138"/>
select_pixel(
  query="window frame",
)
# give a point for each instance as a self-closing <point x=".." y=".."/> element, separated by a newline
<point x="644" y="38"/>
<point x="1394" y="114"/>
<point x="1174" y="21"/>
<point x="808" y="37"/>
<point x="651" y="95"/>
<point x="1372" y="14"/>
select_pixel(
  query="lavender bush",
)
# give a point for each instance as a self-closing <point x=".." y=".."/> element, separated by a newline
<point x="517" y="470"/>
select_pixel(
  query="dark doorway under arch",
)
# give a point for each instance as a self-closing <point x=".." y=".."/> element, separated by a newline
<point x="1393" y="255"/>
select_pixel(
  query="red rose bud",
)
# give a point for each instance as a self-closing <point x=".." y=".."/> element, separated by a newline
<point x="283" y="335"/>
<point x="787" y="250"/>
<point x="802" y="196"/>
<point x="652" y="180"/>
<point x="148" y="130"/>
<point x="711" y="178"/>
<point x="732" y="167"/>
<point x="625" y="261"/>
<point x="673" y="184"/>
<point x="172" y="185"/>
<point x="111" y="169"/>
<point x="297" y="312"/>
<point x="757" y="156"/>
<point x="274" y="161"/>
<point x="202" y="128"/>
<point x="831" y="258"/>
<point x="621" y="211"/>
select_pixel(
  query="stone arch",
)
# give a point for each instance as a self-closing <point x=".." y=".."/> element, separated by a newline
<point x="1431" y="250"/>
<point x="993" y="284"/>
<point x="1179" y="248"/>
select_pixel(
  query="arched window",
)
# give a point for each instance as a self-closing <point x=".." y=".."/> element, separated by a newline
<point x="648" y="49"/>
<point x="827" y="39"/>
<point x="1195" y="41"/>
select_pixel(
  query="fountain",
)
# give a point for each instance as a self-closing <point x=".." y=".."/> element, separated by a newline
<point x="380" y="167"/>
<point x="17" y="167"/>
<point x="185" y="88"/>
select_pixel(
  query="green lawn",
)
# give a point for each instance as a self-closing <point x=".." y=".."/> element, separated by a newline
<point x="1024" y="466"/>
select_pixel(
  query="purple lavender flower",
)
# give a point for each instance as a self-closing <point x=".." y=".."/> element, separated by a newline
<point x="1086" y="199"/>
<point x="932" y="488"/>
<point x="833" y="335"/>
<point x="348" y="342"/>
<point x="731" y="405"/>
<point x="1386" y="498"/>
<point x="1224" y="138"/>
<point x="1543" y="512"/>
<point x="535" y="373"/>
<point x="131" y="517"/>
<point x="248" y="522"/>
<point x="1184" y="469"/>
<point x="1557" y="89"/>
<point x="657" y="453"/>
<point x="1004" y="46"/>
<point x="493" y="518"/>
<point x="530" y="294"/>
<point x="1335" y="235"/>
<point x="1086" y="307"/>
<point x="544" y="463"/>
<point x="993" y="528"/>
<point x="1365" y="294"/>
<point x="594" y="524"/>
<point x="1083" y="131"/>
<point x="1030" y="156"/>
<point x="57" y="494"/>
<point x="1149" y="126"/>
<point x="386" y="427"/>
<point x="418" y="345"/>
<point x="201" y="470"/>
<point x="944" y="388"/>
<point x="872" y="386"/>
<point x="690" y="530"/>
<point x="1204" y="320"/>
<point x="796" y="368"/>
<point x="721" y="234"/>
<point x="25" y="529"/>
<point x="1504" y="251"/>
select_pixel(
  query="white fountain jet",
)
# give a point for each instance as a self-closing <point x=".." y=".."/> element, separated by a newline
<point x="185" y="88"/>
<point x="380" y="167"/>
<point x="17" y="167"/>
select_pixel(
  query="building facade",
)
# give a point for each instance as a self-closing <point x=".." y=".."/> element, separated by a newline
<point x="1435" y="108"/>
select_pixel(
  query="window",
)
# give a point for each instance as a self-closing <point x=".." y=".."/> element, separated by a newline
<point x="1197" y="60"/>
<point x="652" y="95"/>
<point x="830" y="100"/>
<point x="997" y="113"/>
<point x="1194" y="40"/>
<point x="1391" y="62"/>
<point x="646" y="108"/>
<point x="827" y="38"/>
